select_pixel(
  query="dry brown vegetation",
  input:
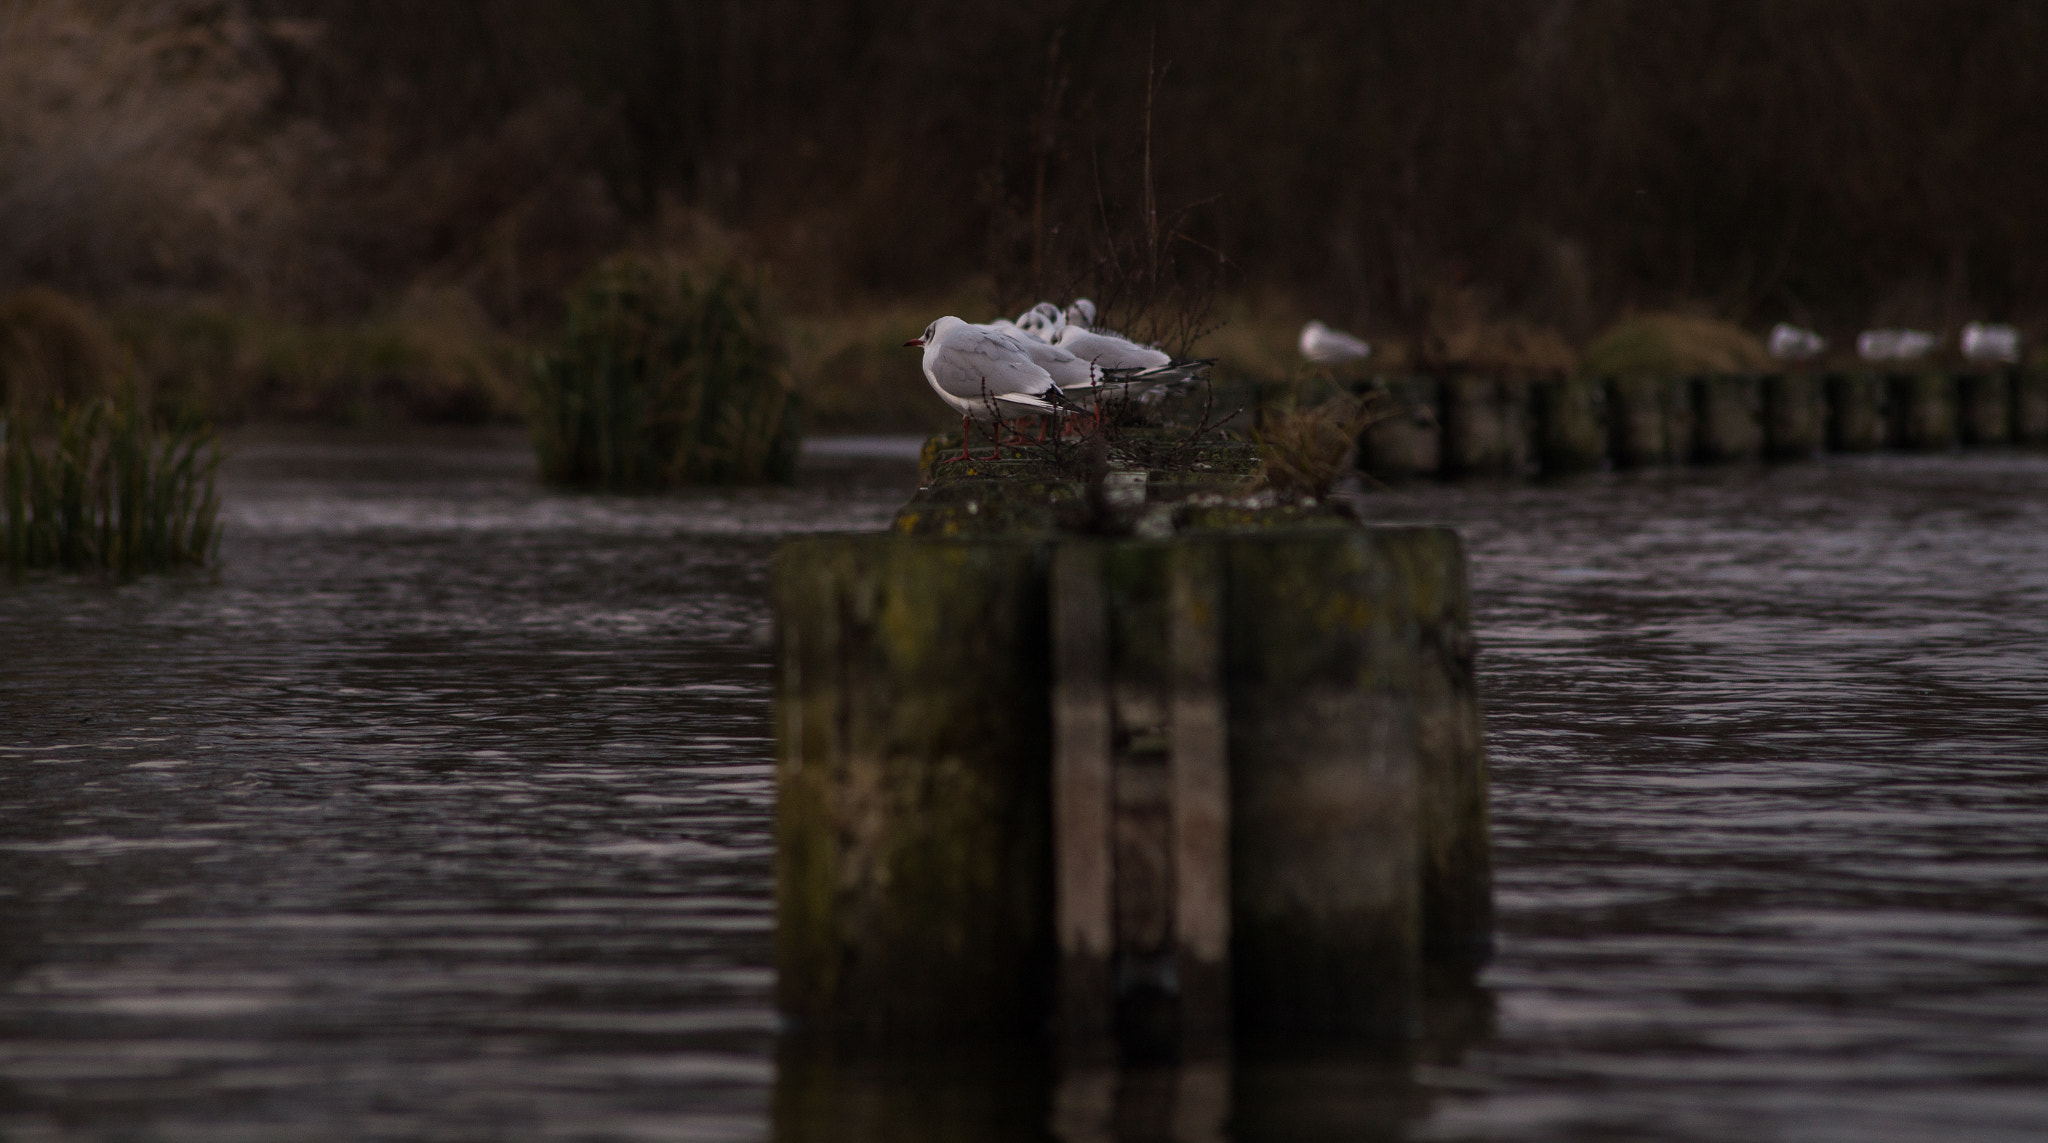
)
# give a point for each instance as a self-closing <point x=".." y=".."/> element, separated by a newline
<point x="372" y="208"/>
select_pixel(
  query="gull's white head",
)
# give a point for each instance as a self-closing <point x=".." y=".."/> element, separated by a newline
<point x="1042" y="321"/>
<point x="1081" y="313"/>
<point x="933" y="332"/>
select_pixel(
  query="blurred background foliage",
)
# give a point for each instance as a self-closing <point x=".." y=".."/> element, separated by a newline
<point x="358" y="209"/>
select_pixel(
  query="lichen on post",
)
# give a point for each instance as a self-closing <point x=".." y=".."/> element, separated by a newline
<point x="913" y="861"/>
<point x="1320" y="645"/>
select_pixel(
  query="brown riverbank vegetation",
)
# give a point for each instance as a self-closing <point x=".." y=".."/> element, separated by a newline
<point x="366" y="209"/>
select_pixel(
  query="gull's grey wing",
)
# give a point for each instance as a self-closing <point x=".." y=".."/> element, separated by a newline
<point x="974" y="363"/>
<point x="1109" y="351"/>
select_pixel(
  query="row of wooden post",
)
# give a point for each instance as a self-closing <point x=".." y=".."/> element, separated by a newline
<point x="1168" y="798"/>
<point x="1483" y="426"/>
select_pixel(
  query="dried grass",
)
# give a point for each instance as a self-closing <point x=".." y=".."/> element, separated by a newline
<point x="1304" y="452"/>
<point x="1673" y="345"/>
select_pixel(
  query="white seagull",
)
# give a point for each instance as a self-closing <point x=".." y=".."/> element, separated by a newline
<point x="1132" y="367"/>
<point x="1894" y="344"/>
<point x="1983" y="342"/>
<point x="1790" y="343"/>
<point x="983" y="372"/>
<point x="1081" y="313"/>
<point x="1042" y="321"/>
<point x="1326" y="346"/>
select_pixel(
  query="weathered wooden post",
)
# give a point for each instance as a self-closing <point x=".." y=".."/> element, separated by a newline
<point x="1649" y="421"/>
<point x="1923" y="410"/>
<point x="2029" y="403"/>
<point x="1220" y="788"/>
<point x="1485" y="426"/>
<point x="1728" y="411"/>
<point x="1325" y="839"/>
<point x="1984" y="408"/>
<point x="1409" y="442"/>
<point x="1571" y="432"/>
<point x="1856" y="412"/>
<point x="1795" y="416"/>
<point x="913" y="817"/>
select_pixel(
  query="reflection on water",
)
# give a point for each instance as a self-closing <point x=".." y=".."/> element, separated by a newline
<point x="442" y="813"/>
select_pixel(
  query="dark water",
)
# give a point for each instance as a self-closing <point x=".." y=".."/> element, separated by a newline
<point x="442" y="813"/>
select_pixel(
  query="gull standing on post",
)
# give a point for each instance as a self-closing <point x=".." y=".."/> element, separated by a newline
<point x="1790" y="343"/>
<point x="1042" y="321"/>
<point x="1326" y="346"/>
<point x="982" y="371"/>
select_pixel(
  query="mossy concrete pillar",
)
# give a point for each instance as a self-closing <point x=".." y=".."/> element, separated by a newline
<point x="1649" y="420"/>
<point x="913" y="860"/>
<point x="1728" y="425"/>
<point x="1856" y="412"/>
<point x="1452" y="791"/>
<point x="1570" y="430"/>
<point x="1408" y="442"/>
<point x="1984" y="408"/>
<point x="1325" y="839"/>
<point x="1923" y="411"/>
<point x="2029" y="404"/>
<point x="1795" y="416"/>
<point x="1486" y="426"/>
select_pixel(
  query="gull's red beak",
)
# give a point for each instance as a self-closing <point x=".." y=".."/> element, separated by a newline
<point x="914" y="341"/>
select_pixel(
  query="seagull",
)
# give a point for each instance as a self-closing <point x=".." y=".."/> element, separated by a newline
<point x="1983" y="342"/>
<point x="981" y="371"/>
<point x="1326" y="346"/>
<point x="1894" y="344"/>
<point x="1081" y="313"/>
<point x="1131" y="366"/>
<point x="1042" y="321"/>
<point x="1790" y="343"/>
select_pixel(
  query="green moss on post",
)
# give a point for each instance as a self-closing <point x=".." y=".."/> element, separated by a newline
<point x="1923" y="411"/>
<point x="1729" y="412"/>
<point x="1320" y="642"/>
<point x="1457" y="838"/>
<point x="912" y="854"/>
<point x="1856" y="412"/>
<point x="1570" y="432"/>
<point x="1795" y="416"/>
<point x="1984" y="408"/>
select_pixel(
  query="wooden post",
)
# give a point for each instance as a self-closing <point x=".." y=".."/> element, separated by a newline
<point x="1728" y="426"/>
<point x="1984" y="408"/>
<point x="1571" y="436"/>
<point x="1856" y="412"/>
<point x="1486" y="427"/>
<point x="1923" y="410"/>
<point x="913" y="895"/>
<point x="1457" y="837"/>
<point x="1082" y="807"/>
<point x="1649" y="421"/>
<point x="1409" y="443"/>
<point x="1325" y="846"/>
<point x="2029" y="403"/>
<point x="1795" y="416"/>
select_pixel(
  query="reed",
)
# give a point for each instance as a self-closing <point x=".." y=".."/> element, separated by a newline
<point x="664" y="378"/>
<point x="95" y="486"/>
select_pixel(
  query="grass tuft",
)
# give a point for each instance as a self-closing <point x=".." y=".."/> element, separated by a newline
<point x="1304" y="452"/>
<point x="664" y="378"/>
<point x="96" y="486"/>
<point x="1673" y="345"/>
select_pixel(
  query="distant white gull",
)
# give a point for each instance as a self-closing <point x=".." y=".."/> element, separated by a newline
<point x="1790" y="343"/>
<point x="1983" y="342"/>
<point x="1326" y="346"/>
<point x="1894" y="344"/>
<point x="1081" y="313"/>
